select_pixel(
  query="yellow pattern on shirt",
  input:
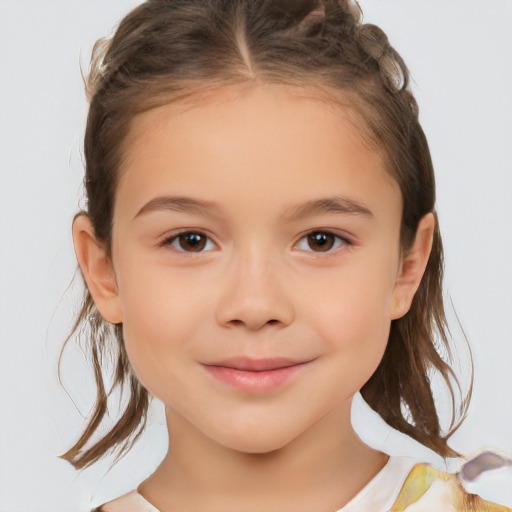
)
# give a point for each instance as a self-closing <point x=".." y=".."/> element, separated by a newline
<point x="420" y="480"/>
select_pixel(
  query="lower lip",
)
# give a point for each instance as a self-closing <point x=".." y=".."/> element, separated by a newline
<point x="255" y="381"/>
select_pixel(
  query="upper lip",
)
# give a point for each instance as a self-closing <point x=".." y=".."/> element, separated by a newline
<point x="256" y="365"/>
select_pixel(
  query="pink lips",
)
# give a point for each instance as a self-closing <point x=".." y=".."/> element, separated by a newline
<point x="255" y="374"/>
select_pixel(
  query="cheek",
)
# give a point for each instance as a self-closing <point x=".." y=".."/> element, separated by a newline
<point x="355" y="339"/>
<point x="360" y="325"/>
<point x="160" y="316"/>
<point x="350" y="313"/>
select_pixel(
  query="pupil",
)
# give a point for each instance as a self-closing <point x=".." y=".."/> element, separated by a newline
<point x="320" y="241"/>
<point x="192" y="242"/>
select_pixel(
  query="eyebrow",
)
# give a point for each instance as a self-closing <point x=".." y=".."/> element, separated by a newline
<point x="176" y="204"/>
<point x="334" y="204"/>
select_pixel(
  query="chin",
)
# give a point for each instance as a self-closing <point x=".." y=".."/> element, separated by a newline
<point x="257" y="441"/>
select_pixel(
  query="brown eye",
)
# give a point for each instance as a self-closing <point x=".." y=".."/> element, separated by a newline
<point x="190" y="242"/>
<point x="319" y="241"/>
<point x="193" y="242"/>
<point x="322" y="241"/>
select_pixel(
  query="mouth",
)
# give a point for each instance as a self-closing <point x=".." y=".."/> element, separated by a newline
<point x="255" y="375"/>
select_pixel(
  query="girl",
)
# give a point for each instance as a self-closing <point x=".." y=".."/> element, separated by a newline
<point x="260" y="241"/>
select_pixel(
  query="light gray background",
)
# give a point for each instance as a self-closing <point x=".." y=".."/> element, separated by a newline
<point x="459" y="54"/>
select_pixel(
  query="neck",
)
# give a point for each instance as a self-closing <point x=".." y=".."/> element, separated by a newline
<point x="321" y="470"/>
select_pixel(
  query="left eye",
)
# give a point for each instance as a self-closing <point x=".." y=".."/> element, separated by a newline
<point x="321" y="241"/>
<point x="190" y="241"/>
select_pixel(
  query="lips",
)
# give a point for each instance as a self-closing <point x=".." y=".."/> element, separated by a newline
<point x="255" y="375"/>
<point x="255" y="365"/>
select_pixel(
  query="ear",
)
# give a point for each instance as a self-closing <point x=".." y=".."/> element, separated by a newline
<point x="97" y="269"/>
<point x="412" y="267"/>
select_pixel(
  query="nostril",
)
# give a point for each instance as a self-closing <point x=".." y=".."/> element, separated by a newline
<point x="238" y="323"/>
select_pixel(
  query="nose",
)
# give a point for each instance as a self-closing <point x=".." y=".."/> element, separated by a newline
<point x="254" y="295"/>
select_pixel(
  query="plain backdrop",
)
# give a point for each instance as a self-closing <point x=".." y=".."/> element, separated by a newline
<point x="459" y="54"/>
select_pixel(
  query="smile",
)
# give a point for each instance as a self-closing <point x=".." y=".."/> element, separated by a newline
<point x="255" y="375"/>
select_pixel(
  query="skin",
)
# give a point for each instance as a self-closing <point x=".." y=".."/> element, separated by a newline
<point x="258" y="289"/>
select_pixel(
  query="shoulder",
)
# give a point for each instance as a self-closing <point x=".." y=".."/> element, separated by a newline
<point x="426" y="489"/>
<point x="130" y="502"/>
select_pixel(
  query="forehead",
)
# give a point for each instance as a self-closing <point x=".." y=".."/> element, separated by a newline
<point x="259" y="105"/>
<point x="259" y="139"/>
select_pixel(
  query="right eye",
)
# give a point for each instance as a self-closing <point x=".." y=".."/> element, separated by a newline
<point x="190" y="241"/>
<point x="322" y="242"/>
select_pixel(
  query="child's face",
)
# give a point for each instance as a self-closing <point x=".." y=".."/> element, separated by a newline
<point x="249" y="178"/>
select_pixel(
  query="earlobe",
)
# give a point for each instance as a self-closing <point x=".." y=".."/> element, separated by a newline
<point x="412" y="267"/>
<point x="97" y="269"/>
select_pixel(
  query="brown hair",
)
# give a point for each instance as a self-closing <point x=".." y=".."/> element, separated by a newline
<point x="179" y="50"/>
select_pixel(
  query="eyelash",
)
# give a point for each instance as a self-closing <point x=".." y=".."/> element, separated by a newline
<point x="168" y="241"/>
<point x="339" y="241"/>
